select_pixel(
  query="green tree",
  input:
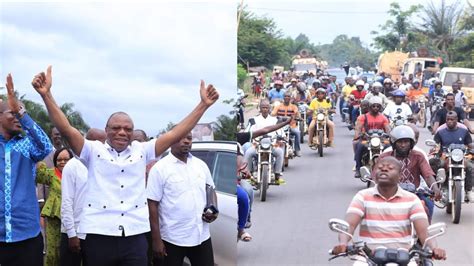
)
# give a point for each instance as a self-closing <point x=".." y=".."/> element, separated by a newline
<point x="258" y="40"/>
<point x="345" y="49"/>
<point x="398" y="33"/>
<point x="241" y="75"/>
<point x="225" y="128"/>
<point x="441" y="25"/>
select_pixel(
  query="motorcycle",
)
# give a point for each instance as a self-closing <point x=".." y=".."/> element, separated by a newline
<point x="375" y="141"/>
<point x="287" y="142"/>
<point x="422" y="112"/>
<point x="453" y="192"/>
<point x="320" y="137"/>
<point x="387" y="256"/>
<point x="302" y="126"/>
<point x="436" y="105"/>
<point x="398" y="121"/>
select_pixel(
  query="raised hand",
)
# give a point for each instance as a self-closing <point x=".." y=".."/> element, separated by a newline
<point x="43" y="82"/>
<point x="12" y="100"/>
<point x="209" y="94"/>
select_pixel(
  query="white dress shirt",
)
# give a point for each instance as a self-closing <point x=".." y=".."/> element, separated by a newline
<point x="180" y="188"/>
<point x="73" y="187"/>
<point x="115" y="199"/>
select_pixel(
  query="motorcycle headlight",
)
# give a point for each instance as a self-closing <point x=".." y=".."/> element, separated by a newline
<point x="265" y="143"/>
<point x="375" y="142"/>
<point x="398" y="122"/>
<point x="457" y="155"/>
<point x="320" y="117"/>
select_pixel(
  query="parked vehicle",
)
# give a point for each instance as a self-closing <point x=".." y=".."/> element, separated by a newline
<point x="221" y="157"/>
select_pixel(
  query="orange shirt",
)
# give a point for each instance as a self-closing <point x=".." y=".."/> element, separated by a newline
<point x="414" y="94"/>
<point x="283" y="110"/>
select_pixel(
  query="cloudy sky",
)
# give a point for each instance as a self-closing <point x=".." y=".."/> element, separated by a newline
<point x="144" y="59"/>
<point x="323" y="20"/>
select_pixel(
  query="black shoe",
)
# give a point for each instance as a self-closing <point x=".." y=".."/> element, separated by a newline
<point x="357" y="174"/>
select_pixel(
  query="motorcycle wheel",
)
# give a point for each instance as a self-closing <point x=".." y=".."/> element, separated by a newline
<point x="320" y="145"/>
<point x="302" y="132"/>
<point x="264" y="183"/>
<point x="457" y="193"/>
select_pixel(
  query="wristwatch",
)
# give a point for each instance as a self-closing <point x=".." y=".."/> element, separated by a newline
<point x="21" y="112"/>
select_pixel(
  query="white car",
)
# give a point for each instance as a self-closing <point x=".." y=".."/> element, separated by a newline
<point x="221" y="158"/>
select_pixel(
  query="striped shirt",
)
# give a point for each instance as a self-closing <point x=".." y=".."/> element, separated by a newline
<point x="386" y="222"/>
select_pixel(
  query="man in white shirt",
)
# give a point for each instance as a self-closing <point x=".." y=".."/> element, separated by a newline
<point x="115" y="214"/>
<point x="397" y="108"/>
<point x="261" y="121"/>
<point x="73" y="184"/>
<point x="176" y="194"/>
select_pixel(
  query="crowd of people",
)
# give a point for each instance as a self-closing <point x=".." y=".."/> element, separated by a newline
<point x="107" y="200"/>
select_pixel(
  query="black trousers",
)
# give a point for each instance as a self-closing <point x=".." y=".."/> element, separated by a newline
<point x="67" y="257"/>
<point x="28" y="252"/>
<point x="201" y="255"/>
<point x="100" y="250"/>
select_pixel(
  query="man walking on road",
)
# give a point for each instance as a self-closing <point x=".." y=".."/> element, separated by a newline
<point x="176" y="194"/>
<point x="115" y="217"/>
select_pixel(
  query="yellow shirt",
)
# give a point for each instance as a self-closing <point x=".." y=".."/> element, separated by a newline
<point x="346" y="91"/>
<point x="316" y="104"/>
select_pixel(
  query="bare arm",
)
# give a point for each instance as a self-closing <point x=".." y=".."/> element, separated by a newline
<point x="421" y="226"/>
<point x="209" y="96"/>
<point x="158" y="246"/>
<point x="42" y="84"/>
<point x="353" y="220"/>
<point x="268" y="129"/>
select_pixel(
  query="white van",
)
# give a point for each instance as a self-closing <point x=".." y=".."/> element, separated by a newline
<point x="449" y="75"/>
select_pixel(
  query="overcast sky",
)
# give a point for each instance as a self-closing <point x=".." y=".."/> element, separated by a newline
<point x="146" y="59"/>
<point x="323" y="20"/>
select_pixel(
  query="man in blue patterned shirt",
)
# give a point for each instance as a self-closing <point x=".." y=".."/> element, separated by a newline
<point x="22" y="144"/>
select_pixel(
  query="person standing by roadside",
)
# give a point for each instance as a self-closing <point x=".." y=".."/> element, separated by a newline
<point x="73" y="184"/>
<point x="21" y="242"/>
<point x="52" y="207"/>
<point x="176" y="194"/>
<point x="115" y="214"/>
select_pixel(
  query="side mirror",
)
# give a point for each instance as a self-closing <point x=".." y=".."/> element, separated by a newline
<point x="339" y="226"/>
<point x="252" y="121"/>
<point x="434" y="231"/>
<point x="441" y="175"/>
<point x="430" y="142"/>
<point x="365" y="174"/>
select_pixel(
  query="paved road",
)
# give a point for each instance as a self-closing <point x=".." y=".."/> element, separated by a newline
<point x="290" y="228"/>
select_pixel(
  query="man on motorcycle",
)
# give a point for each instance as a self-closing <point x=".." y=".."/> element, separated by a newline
<point x="321" y="102"/>
<point x="292" y="86"/>
<point x="314" y="87"/>
<point x="376" y="88"/>
<point x="261" y="121"/>
<point x="398" y="108"/>
<point x="413" y="95"/>
<point x="290" y="110"/>
<point x="453" y="134"/>
<point x="372" y="120"/>
<point x="414" y="163"/>
<point x="344" y="99"/>
<point x="441" y="115"/>
<point x="460" y="99"/>
<point x="355" y="98"/>
<point x="436" y="90"/>
<point x="387" y="87"/>
<point x="386" y="213"/>
<point x="277" y="92"/>
<point x="301" y="94"/>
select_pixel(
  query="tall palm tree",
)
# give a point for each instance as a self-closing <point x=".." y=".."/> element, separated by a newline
<point x="441" y="25"/>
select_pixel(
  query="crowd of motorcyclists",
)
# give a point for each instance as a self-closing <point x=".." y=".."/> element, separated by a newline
<point x="386" y="116"/>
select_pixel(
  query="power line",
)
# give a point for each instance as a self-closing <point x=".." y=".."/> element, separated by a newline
<point x="317" y="11"/>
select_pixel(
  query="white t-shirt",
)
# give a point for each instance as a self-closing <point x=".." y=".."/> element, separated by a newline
<point x="392" y="110"/>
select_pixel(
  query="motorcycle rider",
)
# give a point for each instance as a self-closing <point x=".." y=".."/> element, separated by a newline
<point x="301" y="94"/>
<point x="376" y="91"/>
<point x="277" y="92"/>
<point x="292" y="86"/>
<point x="404" y="86"/>
<point x="387" y="87"/>
<point x="413" y="95"/>
<point x="398" y="108"/>
<point x="261" y="121"/>
<point x="309" y="81"/>
<point x="324" y="103"/>
<point x="441" y="115"/>
<point x="374" y="119"/>
<point x="460" y="99"/>
<point x="356" y="97"/>
<point x="287" y="109"/>
<point x="414" y="163"/>
<point x="453" y="134"/>
<point x="383" y="202"/>
<point x="437" y="90"/>
<point x="344" y="98"/>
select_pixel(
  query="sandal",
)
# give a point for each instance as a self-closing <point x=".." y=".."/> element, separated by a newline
<point x="246" y="237"/>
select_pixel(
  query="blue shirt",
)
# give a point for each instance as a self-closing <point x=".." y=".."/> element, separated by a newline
<point x="273" y="94"/>
<point x="19" y="210"/>
<point x="447" y="136"/>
